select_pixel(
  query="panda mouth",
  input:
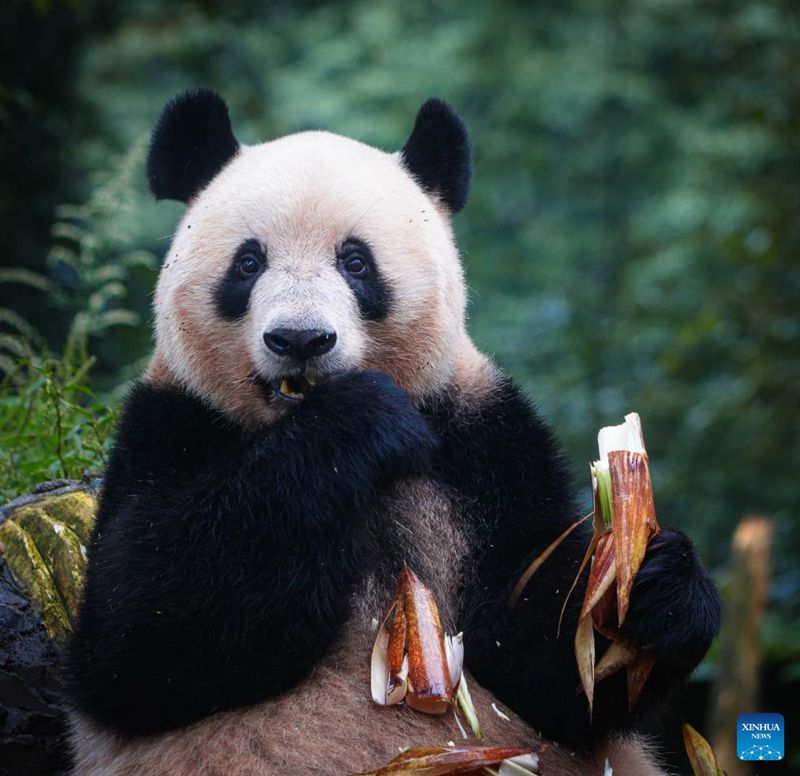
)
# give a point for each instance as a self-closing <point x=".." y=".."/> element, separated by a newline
<point x="293" y="388"/>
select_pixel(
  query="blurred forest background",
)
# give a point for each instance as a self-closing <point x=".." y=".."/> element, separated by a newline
<point x="632" y="241"/>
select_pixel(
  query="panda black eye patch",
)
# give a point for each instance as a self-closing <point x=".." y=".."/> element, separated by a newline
<point x="356" y="263"/>
<point x="232" y="293"/>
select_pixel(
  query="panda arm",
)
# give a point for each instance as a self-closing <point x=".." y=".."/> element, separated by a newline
<point x="516" y="495"/>
<point x="221" y="565"/>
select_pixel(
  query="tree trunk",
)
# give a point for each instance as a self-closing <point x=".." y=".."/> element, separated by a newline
<point x="736" y="689"/>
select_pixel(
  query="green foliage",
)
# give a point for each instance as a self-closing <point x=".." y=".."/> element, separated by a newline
<point x="18" y="335"/>
<point x="93" y="256"/>
<point x="51" y="424"/>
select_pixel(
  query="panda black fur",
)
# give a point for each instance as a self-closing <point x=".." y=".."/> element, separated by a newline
<point x="245" y="539"/>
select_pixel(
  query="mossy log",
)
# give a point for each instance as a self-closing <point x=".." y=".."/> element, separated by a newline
<point x="43" y="540"/>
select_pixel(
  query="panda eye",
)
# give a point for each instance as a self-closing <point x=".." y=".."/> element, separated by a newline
<point x="249" y="265"/>
<point x="356" y="266"/>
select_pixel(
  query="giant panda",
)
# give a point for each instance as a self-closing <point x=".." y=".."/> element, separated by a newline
<point x="315" y="418"/>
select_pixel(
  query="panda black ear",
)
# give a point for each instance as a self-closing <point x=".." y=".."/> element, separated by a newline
<point x="191" y="143"/>
<point x="438" y="153"/>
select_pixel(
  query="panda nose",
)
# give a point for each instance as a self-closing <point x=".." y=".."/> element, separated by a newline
<point x="301" y="344"/>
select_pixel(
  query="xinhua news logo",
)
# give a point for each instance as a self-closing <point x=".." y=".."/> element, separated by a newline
<point x="760" y="737"/>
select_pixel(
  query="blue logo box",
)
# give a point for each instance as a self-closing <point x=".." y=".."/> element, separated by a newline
<point x="760" y="737"/>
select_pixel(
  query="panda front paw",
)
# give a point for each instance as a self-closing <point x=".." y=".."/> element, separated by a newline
<point x="378" y="420"/>
<point x="675" y="608"/>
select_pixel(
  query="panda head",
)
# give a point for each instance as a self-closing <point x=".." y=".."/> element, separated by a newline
<point x="306" y="256"/>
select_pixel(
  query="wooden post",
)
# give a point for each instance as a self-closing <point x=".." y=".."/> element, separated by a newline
<point x="736" y="688"/>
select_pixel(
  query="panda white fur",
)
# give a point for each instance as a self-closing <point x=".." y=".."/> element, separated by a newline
<point x="314" y="417"/>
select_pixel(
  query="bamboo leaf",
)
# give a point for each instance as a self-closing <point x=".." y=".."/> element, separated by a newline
<point x="601" y="575"/>
<point x="541" y="558"/>
<point x="464" y="701"/>
<point x="638" y="671"/>
<point x="701" y="756"/>
<point x="442" y="761"/>
<point x="584" y="654"/>
<point x="618" y="655"/>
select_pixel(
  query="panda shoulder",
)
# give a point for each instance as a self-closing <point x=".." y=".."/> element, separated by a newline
<point x="161" y="423"/>
<point x="501" y="426"/>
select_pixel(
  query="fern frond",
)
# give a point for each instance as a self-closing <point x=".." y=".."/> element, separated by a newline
<point x="25" y="277"/>
<point x="18" y="323"/>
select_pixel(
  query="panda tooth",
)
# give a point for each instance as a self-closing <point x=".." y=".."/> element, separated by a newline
<point x="288" y="391"/>
<point x="311" y="380"/>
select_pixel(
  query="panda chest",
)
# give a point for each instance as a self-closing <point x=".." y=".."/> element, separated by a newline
<point x="329" y="723"/>
<point x="419" y="527"/>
